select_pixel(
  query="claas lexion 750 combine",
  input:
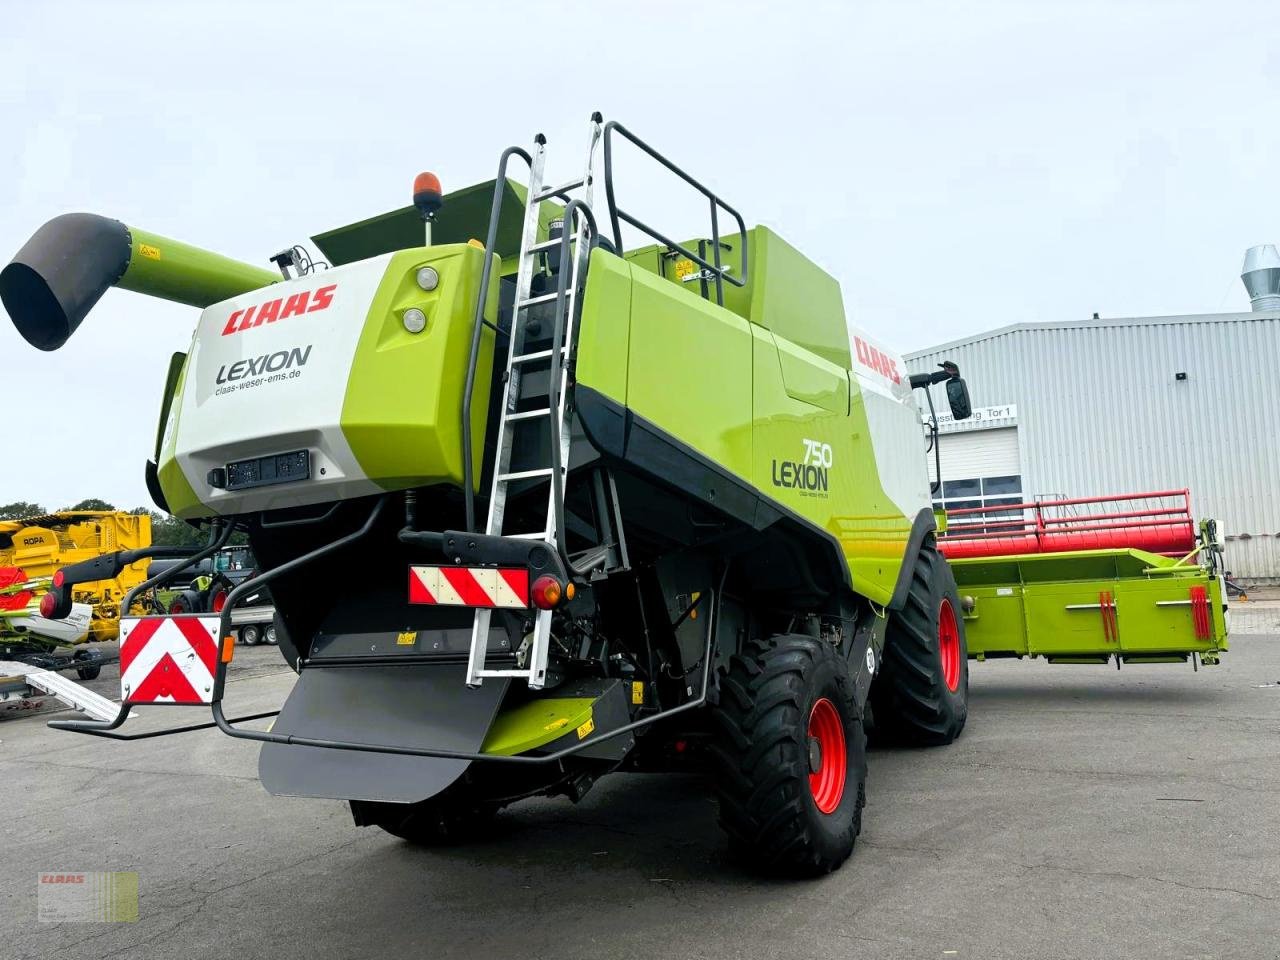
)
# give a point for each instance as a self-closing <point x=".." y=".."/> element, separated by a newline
<point x="540" y="508"/>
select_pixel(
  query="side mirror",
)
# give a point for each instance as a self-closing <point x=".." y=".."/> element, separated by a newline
<point x="958" y="398"/>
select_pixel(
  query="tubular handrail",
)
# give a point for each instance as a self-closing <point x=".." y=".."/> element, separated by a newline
<point x="106" y="728"/>
<point x="218" y="537"/>
<point x="491" y="242"/>
<point x="267" y="736"/>
<point x="573" y="209"/>
<point x="616" y="214"/>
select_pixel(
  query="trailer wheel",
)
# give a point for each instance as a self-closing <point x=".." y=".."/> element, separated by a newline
<point x="251" y="634"/>
<point x="90" y="672"/>
<point x="789" y="756"/>
<point x="921" y="696"/>
<point x="269" y="635"/>
<point x="450" y="817"/>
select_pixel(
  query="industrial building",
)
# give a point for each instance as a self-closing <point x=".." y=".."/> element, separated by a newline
<point x="1100" y="407"/>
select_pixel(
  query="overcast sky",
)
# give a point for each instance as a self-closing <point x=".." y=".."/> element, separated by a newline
<point x="958" y="167"/>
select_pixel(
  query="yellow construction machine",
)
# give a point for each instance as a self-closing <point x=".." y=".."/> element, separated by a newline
<point x="32" y="550"/>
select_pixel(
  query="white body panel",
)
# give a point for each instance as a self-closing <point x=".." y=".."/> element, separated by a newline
<point x="255" y="389"/>
<point x="71" y="629"/>
<point x="893" y="420"/>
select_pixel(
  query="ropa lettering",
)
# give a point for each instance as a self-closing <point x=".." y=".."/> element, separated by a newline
<point x="267" y="363"/>
<point x="305" y="301"/>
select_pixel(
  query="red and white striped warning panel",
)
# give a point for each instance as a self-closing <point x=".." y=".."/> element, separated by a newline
<point x="505" y="587"/>
<point x="168" y="659"/>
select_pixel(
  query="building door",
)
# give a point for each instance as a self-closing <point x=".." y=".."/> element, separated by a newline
<point x="980" y="468"/>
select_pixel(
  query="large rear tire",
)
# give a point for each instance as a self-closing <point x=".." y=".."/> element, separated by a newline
<point x="789" y="756"/>
<point x="921" y="696"/>
<point x="213" y="599"/>
<point x="452" y="816"/>
<point x="188" y="601"/>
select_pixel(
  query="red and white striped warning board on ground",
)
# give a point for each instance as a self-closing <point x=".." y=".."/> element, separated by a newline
<point x="470" y="586"/>
<point x="168" y="659"/>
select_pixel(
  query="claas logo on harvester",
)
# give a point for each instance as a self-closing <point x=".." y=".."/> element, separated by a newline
<point x="305" y="301"/>
<point x="881" y="363"/>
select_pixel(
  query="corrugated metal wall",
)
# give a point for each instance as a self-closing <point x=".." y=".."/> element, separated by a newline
<point x="1100" y="412"/>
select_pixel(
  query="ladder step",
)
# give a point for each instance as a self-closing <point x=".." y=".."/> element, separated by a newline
<point x="549" y="244"/>
<point x="530" y="357"/>
<point x="556" y="191"/>
<point x="529" y="414"/>
<point x="504" y="673"/>
<point x="541" y="298"/>
<point x="527" y="474"/>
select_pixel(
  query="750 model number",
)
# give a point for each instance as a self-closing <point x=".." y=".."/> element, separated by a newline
<point x="810" y="474"/>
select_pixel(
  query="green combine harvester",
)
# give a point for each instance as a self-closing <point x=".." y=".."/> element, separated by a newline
<point x="535" y="506"/>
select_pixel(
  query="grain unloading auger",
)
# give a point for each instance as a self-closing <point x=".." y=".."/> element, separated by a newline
<point x="539" y="508"/>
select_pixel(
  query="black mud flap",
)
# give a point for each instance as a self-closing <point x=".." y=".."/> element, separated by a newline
<point x="427" y="706"/>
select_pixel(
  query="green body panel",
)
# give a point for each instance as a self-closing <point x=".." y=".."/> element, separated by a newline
<point x="744" y="395"/>
<point x="171" y="270"/>
<point x="464" y="217"/>
<point x="795" y="298"/>
<point x="689" y="370"/>
<point x="786" y="292"/>
<point x="402" y="409"/>
<point x="604" y="331"/>
<point x="536" y="723"/>
<point x="177" y="363"/>
<point x="855" y="509"/>
<point x="1048" y="605"/>
<point x="178" y="493"/>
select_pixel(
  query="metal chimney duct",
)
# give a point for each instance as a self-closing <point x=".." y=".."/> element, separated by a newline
<point x="1261" y="276"/>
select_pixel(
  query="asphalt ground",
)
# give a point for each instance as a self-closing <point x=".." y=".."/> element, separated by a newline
<point x="1085" y="812"/>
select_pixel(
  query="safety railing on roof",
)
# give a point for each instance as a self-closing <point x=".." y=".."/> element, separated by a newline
<point x="716" y="268"/>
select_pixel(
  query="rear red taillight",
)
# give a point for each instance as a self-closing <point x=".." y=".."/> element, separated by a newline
<point x="546" y="592"/>
<point x="58" y="578"/>
<point x="48" y="605"/>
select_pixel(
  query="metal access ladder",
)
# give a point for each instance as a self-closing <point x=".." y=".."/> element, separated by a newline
<point x="555" y="466"/>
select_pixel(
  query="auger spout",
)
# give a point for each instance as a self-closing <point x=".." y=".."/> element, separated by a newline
<point x="68" y="264"/>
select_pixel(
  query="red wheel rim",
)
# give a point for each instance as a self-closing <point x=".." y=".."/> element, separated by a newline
<point x="826" y="783"/>
<point x="949" y="645"/>
<point x="219" y="601"/>
<point x="177" y="607"/>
